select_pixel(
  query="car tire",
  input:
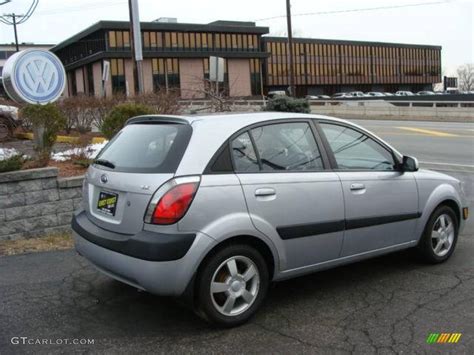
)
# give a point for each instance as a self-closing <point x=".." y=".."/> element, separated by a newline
<point x="440" y="236"/>
<point x="231" y="285"/>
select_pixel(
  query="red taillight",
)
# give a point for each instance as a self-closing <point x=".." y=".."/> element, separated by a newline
<point x="174" y="203"/>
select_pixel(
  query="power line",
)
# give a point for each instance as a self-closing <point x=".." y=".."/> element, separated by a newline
<point x="366" y="9"/>
<point x="82" y="7"/>
<point x="15" y="19"/>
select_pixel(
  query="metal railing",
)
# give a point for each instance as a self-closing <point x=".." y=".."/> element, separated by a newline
<point x="399" y="103"/>
<point x="334" y="102"/>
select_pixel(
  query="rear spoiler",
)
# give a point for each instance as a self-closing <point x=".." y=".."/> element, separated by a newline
<point x="150" y="119"/>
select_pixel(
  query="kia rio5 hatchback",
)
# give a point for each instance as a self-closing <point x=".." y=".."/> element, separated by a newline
<point x="214" y="208"/>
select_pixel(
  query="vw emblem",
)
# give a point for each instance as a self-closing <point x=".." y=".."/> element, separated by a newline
<point x="34" y="76"/>
<point x="104" y="178"/>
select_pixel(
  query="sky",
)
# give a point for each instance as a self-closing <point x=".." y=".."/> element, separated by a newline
<point x="448" y="23"/>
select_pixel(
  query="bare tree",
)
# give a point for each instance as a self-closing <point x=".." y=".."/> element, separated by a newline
<point x="466" y="77"/>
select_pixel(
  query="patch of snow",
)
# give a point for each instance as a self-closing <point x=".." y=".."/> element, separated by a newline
<point x="89" y="151"/>
<point x="6" y="153"/>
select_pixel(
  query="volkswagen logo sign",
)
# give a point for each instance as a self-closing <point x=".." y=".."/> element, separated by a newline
<point x="104" y="178"/>
<point x="34" y="76"/>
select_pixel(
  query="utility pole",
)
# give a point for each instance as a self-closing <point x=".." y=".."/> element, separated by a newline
<point x="136" y="43"/>
<point x="14" y="17"/>
<point x="290" y="49"/>
<point x="15" y="20"/>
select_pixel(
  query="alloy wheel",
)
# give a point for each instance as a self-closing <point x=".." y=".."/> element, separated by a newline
<point x="442" y="235"/>
<point x="235" y="285"/>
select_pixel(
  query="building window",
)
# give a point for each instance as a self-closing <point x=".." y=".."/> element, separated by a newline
<point x="255" y="77"/>
<point x="119" y="40"/>
<point x="72" y="83"/>
<point x="165" y="73"/>
<point x="89" y="79"/>
<point x="117" y="70"/>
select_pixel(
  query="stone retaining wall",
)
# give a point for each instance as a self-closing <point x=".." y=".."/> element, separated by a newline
<point x="36" y="202"/>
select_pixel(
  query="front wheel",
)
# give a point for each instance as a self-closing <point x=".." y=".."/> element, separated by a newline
<point x="231" y="285"/>
<point x="440" y="235"/>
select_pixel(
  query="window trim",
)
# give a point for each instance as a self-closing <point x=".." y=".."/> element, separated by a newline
<point x="228" y="142"/>
<point x="332" y="158"/>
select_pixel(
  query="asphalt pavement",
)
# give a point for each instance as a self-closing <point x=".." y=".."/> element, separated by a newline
<point x="385" y="305"/>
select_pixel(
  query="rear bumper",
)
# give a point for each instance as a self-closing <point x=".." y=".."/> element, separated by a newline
<point x="167" y="278"/>
<point x="144" y="245"/>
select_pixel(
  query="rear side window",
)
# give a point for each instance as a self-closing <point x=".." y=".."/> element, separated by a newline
<point x="243" y="153"/>
<point x="148" y="148"/>
<point x="287" y="146"/>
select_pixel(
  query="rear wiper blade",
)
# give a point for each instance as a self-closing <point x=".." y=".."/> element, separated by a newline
<point x="104" y="162"/>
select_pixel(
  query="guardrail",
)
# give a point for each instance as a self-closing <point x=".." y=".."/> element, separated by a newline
<point x="384" y="108"/>
<point x="406" y="109"/>
<point x="401" y="103"/>
<point x="332" y="102"/>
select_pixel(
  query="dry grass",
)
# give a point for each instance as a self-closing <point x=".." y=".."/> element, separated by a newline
<point x="22" y="246"/>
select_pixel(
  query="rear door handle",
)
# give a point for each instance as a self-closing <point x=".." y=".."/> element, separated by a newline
<point x="266" y="191"/>
<point x="356" y="187"/>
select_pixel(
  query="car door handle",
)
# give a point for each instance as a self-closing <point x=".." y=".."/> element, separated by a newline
<point x="356" y="187"/>
<point x="266" y="191"/>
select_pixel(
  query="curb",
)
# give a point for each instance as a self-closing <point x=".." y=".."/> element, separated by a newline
<point x="61" y="139"/>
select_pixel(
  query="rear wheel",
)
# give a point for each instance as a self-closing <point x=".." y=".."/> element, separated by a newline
<point x="232" y="285"/>
<point x="440" y="235"/>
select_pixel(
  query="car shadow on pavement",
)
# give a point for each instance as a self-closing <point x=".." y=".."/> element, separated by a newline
<point x="119" y="305"/>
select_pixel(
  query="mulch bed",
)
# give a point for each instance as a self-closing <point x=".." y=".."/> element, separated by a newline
<point x="68" y="168"/>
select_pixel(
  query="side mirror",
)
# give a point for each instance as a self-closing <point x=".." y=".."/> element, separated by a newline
<point x="410" y="164"/>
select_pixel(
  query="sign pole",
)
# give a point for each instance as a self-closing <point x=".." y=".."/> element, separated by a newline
<point x="136" y="45"/>
<point x="290" y="49"/>
<point x="217" y="77"/>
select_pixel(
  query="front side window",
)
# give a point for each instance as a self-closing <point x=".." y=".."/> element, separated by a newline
<point x="287" y="147"/>
<point x="355" y="150"/>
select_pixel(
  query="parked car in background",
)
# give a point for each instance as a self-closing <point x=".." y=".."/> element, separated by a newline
<point x="388" y="94"/>
<point x="375" y="94"/>
<point x="311" y="97"/>
<point x="8" y="121"/>
<point x="341" y="95"/>
<point x="273" y="94"/>
<point x="324" y="97"/>
<point x="215" y="208"/>
<point x="357" y="94"/>
<point x="452" y="91"/>
<point x="425" y="93"/>
<point x="404" y="93"/>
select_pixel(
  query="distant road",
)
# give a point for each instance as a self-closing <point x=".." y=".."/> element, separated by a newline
<point x="446" y="143"/>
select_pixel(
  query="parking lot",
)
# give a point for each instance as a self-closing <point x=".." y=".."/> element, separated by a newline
<point x="385" y="305"/>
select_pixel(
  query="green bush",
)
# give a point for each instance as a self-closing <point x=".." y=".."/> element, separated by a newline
<point x="11" y="164"/>
<point x="46" y="121"/>
<point x="288" y="104"/>
<point x="116" y="119"/>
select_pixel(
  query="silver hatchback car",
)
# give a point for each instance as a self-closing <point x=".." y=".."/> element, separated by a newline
<point x="214" y="208"/>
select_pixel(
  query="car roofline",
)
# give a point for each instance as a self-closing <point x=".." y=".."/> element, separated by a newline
<point x="158" y="118"/>
<point x="190" y="119"/>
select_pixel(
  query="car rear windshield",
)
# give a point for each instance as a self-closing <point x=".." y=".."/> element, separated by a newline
<point x="147" y="148"/>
